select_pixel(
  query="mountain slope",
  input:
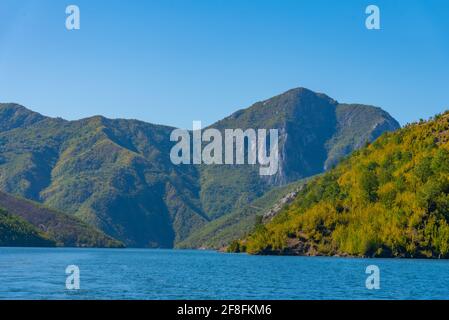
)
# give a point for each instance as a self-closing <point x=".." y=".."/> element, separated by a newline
<point x="315" y="132"/>
<point x="113" y="174"/>
<point x="220" y="232"/>
<point x="388" y="199"/>
<point x="116" y="175"/>
<point x="16" y="232"/>
<point x="37" y="221"/>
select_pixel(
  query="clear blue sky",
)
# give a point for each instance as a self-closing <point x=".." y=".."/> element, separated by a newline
<point x="174" y="61"/>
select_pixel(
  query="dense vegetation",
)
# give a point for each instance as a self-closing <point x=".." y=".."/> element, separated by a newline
<point x="390" y="198"/>
<point x="16" y="232"/>
<point x="35" y="220"/>
<point x="220" y="232"/>
<point x="116" y="175"/>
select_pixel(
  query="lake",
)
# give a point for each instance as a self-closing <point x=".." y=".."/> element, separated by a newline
<point x="38" y="273"/>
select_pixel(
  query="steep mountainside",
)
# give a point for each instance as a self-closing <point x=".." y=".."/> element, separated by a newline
<point x="220" y="232"/>
<point x="116" y="175"/>
<point x="388" y="199"/>
<point x="41" y="226"/>
<point x="315" y="132"/>
<point x="16" y="232"/>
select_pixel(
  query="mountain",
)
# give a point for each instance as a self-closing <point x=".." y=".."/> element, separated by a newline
<point x="41" y="226"/>
<point x="315" y="132"/>
<point x="116" y="174"/>
<point x="220" y="232"/>
<point x="16" y="232"/>
<point x="389" y="199"/>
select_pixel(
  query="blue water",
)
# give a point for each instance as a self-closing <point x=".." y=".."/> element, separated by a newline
<point x="171" y="274"/>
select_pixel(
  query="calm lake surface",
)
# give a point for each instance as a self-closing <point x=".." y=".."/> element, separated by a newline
<point x="171" y="274"/>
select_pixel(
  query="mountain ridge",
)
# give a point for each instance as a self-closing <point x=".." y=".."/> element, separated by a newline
<point x="116" y="175"/>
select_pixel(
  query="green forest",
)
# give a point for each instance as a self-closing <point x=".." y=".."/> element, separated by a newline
<point x="15" y="231"/>
<point x="388" y="199"/>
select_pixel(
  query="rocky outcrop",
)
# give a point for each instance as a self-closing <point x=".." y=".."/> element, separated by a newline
<point x="273" y="212"/>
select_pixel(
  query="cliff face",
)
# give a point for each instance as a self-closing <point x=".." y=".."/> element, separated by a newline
<point x="315" y="132"/>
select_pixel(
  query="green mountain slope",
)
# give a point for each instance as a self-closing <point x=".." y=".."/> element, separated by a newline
<point x="16" y="232"/>
<point x="113" y="174"/>
<point x="315" y="132"/>
<point x="116" y="175"/>
<point x="36" y="220"/>
<point x="222" y="231"/>
<point x="388" y="199"/>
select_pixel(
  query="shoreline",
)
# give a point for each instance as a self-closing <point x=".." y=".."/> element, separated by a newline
<point x="349" y="257"/>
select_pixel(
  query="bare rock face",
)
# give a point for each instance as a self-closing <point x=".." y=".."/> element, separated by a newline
<point x="269" y="215"/>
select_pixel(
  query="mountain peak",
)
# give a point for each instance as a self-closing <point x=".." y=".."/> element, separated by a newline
<point x="13" y="107"/>
<point x="276" y="111"/>
<point x="14" y="115"/>
<point x="304" y="93"/>
<point x="116" y="174"/>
